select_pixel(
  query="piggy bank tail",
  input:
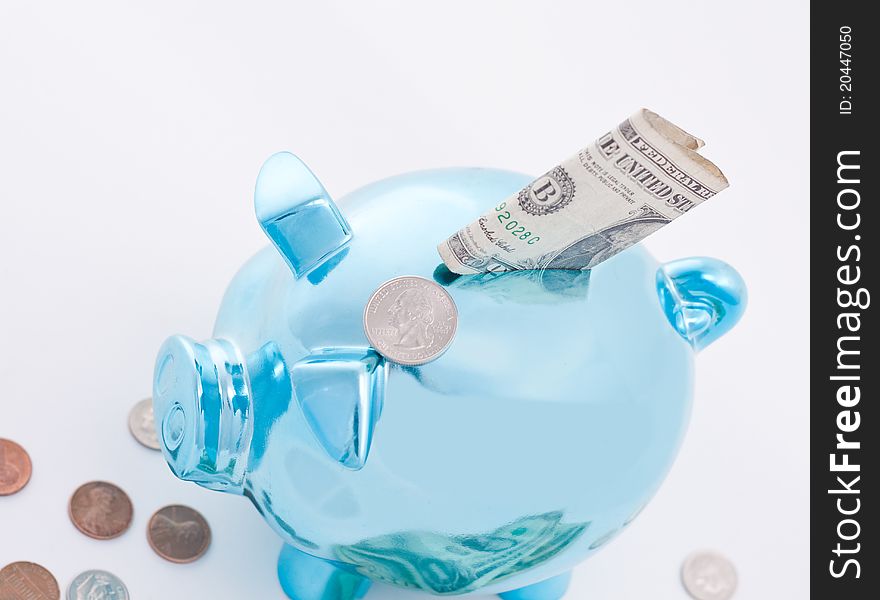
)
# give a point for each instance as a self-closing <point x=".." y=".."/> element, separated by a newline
<point x="703" y="298"/>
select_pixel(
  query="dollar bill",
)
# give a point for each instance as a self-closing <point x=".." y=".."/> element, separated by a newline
<point x="618" y="190"/>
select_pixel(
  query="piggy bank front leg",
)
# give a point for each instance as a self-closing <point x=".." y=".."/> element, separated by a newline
<point x="306" y="577"/>
<point x="549" y="589"/>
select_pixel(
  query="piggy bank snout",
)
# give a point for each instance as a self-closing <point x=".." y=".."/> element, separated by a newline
<point x="702" y="298"/>
<point x="201" y="403"/>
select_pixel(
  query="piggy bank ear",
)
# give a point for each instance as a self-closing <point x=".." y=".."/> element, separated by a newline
<point x="298" y="215"/>
<point x="341" y="392"/>
<point x="702" y="298"/>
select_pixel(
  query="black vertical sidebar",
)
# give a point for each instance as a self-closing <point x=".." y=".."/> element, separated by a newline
<point x="844" y="371"/>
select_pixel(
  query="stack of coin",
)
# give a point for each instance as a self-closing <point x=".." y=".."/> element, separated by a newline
<point x="102" y="511"/>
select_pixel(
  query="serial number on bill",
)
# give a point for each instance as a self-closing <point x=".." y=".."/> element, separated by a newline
<point x="846" y="82"/>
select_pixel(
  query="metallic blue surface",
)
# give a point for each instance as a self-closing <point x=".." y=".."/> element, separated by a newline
<point x="551" y="589"/>
<point x="289" y="200"/>
<point x="340" y="392"/>
<point x="702" y="298"/>
<point x="305" y="577"/>
<point x="547" y="425"/>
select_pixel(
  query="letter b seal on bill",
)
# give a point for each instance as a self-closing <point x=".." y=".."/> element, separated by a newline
<point x="548" y="193"/>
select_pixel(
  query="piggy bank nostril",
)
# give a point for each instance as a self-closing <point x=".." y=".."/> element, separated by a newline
<point x="173" y="427"/>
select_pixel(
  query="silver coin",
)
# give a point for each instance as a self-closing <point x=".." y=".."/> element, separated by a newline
<point x="95" y="584"/>
<point x="708" y="576"/>
<point x="410" y="320"/>
<point x="143" y="425"/>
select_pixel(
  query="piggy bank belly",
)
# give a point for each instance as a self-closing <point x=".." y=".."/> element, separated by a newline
<point x="544" y="428"/>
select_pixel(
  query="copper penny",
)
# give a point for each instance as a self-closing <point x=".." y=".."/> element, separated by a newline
<point x="178" y="533"/>
<point x="15" y="467"/>
<point x="100" y="510"/>
<point x="27" y="581"/>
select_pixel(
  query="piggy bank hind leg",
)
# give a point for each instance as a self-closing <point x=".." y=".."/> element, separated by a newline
<point x="549" y="589"/>
<point x="306" y="577"/>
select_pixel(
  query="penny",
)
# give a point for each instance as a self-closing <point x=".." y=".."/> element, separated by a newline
<point x="708" y="576"/>
<point x="100" y="510"/>
<point x="142" y="424"/>
<point x="27" y="580"/>
<point x="410" y="320"/>
<point x="178" y="533"/>
<point x="15" y="467"/>
<point x="94" y="584"/>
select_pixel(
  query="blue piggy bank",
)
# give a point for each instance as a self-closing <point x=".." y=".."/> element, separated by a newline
<point x="537" y="436"/>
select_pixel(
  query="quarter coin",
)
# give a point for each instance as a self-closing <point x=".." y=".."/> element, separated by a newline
<point x="410" y="320"/>
<point x="142" y="424"/>
<point x="94" y="584"/>
<point x="28" y="580"/>
<point x="15" y="467"/>
<point x="708" y="576"/>
<point x="178" y="533"/>
<point x="100" y="510"/>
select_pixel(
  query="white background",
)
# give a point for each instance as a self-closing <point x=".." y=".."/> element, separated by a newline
<point x="130" y="138"/>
